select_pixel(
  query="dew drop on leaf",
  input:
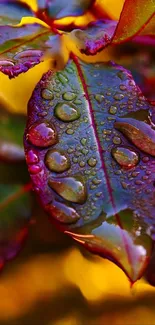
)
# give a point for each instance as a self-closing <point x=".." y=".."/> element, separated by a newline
<point x="62" y="212"/>
<point x="47" y="94"/>
<point x="57" y="161"/>
<point x="66" y="112"/>
<point x="42" y="134"/>
<point x="140" y="133"/>
<point x="69" y="96"/>
<point x="125" y="157"/>
<point x="70" y="188"/>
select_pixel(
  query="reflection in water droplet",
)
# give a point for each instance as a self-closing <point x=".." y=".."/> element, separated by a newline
<point x="47" y="94"/>
<point x="66" y="112"/>
<point x="118" y="96"/>
<point x="31" y="157"/>
<point x="62" y="212"/>
<point x="113" y="110"/>
<point x="57" y="161"/>
<point x="117" y="140"/>
<point x="6" y="63"/>
<point x="42" y="134"/>
<point x="140" y="133"/>
<point x="99" y="98"/>
<point x="70" y="188"/>
<point x="92" y="162"/>
<point x="125" y="157"/>
<point x="62" y="78"/>
<point x="34" y="169"/>
<point x="69" y="96"/>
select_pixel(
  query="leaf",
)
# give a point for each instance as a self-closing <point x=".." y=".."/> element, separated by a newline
<point x="137" y="18"/>
<point x="106" y="183"/>
<point x="56" y="9"/>
<point x="95" y="37"/>
<point x="15" y="213"/>
<point x="21" y="48"/>
<point x="11" y="12"/>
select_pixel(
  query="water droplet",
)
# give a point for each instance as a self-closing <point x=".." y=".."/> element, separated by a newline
<point x="117" y="140"/>
<point x="145" y="159"/>
<point x="140" y="133"/>
<point x="118" y="96"/>
<point x="42" y="134"/>
<point x="47" y="94"/>
<point x="113" y="110"/>
<point x="62" y="212"/>
<point x="69" y="96"/>
<point x="32" y="157"/>
<point x="34" y="169"/>
<point x="78" y="101"/>
<point x="99" y="98"/>
<point x="70" y="188"/>
<point x="125" y="157"/>
<point x="6" y="63"/>
<point x="70" y="131"/>
<point x="82" y="163"/>
<point x="57" y="161"/>
<point x="122" y="75"/>
<point x="28" y="54"/>
<point x="66" y="112"/>
<point x="92" y="162"/>
<point x="123" y="87"/>
<point x="83" y="141"/>
<point x="62" y="77"/>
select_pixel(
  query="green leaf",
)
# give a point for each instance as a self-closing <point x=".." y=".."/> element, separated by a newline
<point x="103" y="194"/>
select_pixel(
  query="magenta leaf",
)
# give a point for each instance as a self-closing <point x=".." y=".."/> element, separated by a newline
<point x="95" y="37"/>
<point x="91" y="177"/>
<point x="58" y="9"/>
<point x="15" y="211"/>
<point x="11" y="12"/>
<point x="21" y="48"/>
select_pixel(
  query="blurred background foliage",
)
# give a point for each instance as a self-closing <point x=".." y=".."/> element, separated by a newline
<point x="54" y="281"/>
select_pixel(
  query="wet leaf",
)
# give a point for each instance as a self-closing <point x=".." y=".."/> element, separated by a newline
<point x="21" y="48"/>
<point x="108" y="180"/>
<point x="15" y="211"/>
<point x="56" y="9"/>
<point x="11" y="12"/>
<point x="95" y="37"/>
<point x="11" y="140"/>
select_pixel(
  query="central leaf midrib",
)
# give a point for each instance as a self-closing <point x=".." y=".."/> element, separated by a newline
<point x="80" y="72"/>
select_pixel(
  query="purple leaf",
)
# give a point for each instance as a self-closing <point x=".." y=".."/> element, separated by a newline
<point x="58" y="9"/>
<point x="95" y="37"/>
<point x="11" y="12"/>
<point x="21" y="48"/>
<point x="94" y="181"/>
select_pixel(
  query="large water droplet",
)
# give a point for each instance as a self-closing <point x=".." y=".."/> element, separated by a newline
<point x="118" y="96"/>
<point x="62" y="212"/>
<point x="140" y="133"/>
<point x="57" y="161"/>
<point x="66" y="112"/>
<point x="42" y="134"/>
<point x="125" y="157"/>
<point x="70" y="188"/>
<point x="99" y="98"/>
<point x="69" y="96"/>
<point x="62" y="78"/>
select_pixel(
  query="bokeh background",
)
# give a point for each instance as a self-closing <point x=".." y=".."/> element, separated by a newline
<point x="53" y="280"/>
